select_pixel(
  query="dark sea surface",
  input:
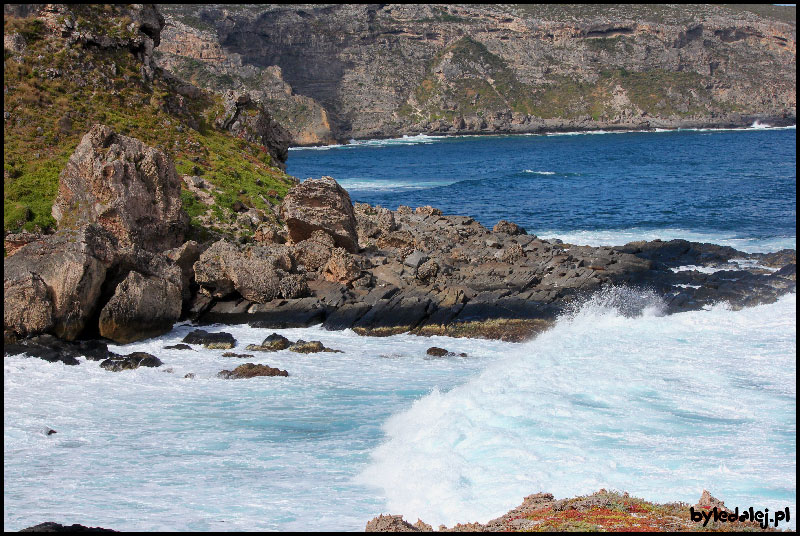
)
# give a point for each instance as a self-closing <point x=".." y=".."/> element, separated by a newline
<point x="734" y="186"/>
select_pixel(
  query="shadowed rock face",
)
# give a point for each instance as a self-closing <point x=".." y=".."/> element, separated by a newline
<point x="142" y="307"/>
<point x="126" y="187"/>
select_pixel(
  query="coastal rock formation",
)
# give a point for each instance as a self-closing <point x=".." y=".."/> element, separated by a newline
<point x="54" y="285"/>
<point x="73" y="66"/>
<point x="255" y="273"/>
<point x="320" y="204"/>
<point x="126" y="187"/>
<point x="604" y="511"/>
<point x="118" y="208"/>
<point x="423" y="272"/>
<point x="376" y="71"/>
<point x="141" y="307"/>
<point x="244" y="119"/>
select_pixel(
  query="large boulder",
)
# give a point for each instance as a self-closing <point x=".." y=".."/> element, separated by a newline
<point x="54" y="285"/>
<point x="141" y="307"/>
<point x="124" y="186"/>
<point x="255" y="273"/>
<point x="320" y="204"/>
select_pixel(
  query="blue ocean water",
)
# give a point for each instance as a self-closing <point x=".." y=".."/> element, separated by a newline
<point x="732" y="186"/>
<point x="659" y="406"/>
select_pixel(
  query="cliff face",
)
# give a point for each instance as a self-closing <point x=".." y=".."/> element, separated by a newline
<point x="342" y="71"/>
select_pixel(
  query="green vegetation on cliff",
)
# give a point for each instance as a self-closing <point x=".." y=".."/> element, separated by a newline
<point x="56" y="88"/>
<point x="467" y="79"/>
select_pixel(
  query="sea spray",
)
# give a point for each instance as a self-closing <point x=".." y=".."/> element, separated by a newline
<point x="659" y="406"/>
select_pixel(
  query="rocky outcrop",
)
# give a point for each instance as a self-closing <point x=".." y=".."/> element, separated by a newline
<point x="103" y="272"/>
<point x="245" y="119"/>
<point x="542" y="512"/>
<point x="254" y="274"/>
<point x="387" y="70"/>
<point x="124" y="186"/>
<point x="320" y="205"/>
<point x="423" y="272"/>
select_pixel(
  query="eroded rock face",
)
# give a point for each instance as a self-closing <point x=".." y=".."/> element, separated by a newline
<point x="123" y="185"/>
<point x="53" y="285"/>
<point x="255" y="273"/>
<point x="141" y="307"/>
<point x="245" y="118"/>
<point x="320" y="204"/>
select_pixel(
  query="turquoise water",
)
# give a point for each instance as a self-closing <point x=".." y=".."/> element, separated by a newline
<point x="659" y="406"/>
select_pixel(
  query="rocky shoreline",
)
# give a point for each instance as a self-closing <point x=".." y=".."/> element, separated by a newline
<point x="541" y="512"/>
<point x="506" y="126"/>
<point x="120" y="268"/>
<point x="606" y="511"/>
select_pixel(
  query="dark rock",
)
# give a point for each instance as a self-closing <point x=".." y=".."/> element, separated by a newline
<point x="346" y="316"/>
<point x="50" y="526"/>
<point x="234" y="354"/>
<point x="273" y="343"/>
<point x="214" y="341"/>
<point x="251" y="370"/>
<point x="131" y="361"/>
<point x="283" y="314"/>
<point x="178" y="347"/>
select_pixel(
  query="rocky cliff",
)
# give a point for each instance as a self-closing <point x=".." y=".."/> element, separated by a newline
<point x="68" y="67"/>
<point x="361" y="71"/>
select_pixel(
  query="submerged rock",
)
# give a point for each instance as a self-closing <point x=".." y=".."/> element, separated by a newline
<point x="310" y="347"/>
<point x="251" y="370"/>
<point x="50" y="526"/>
<point x="273" y="343"/>
<point x="213" y="341"/>
<point x="131" y="361"/>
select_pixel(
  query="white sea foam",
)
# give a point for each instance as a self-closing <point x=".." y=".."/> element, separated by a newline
<point x="425" y="138"/>
<point x="390" y="185"/>
<point x="153" y="451"/>
<point x="615" y="396"/>
<point x="660" y="406"/>
<point x="616" y="237"/>
<point x="539" y="172"/>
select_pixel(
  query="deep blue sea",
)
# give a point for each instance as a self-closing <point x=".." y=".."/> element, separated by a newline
<point x="662" y="407"/>
<point x="734" y="186"/>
